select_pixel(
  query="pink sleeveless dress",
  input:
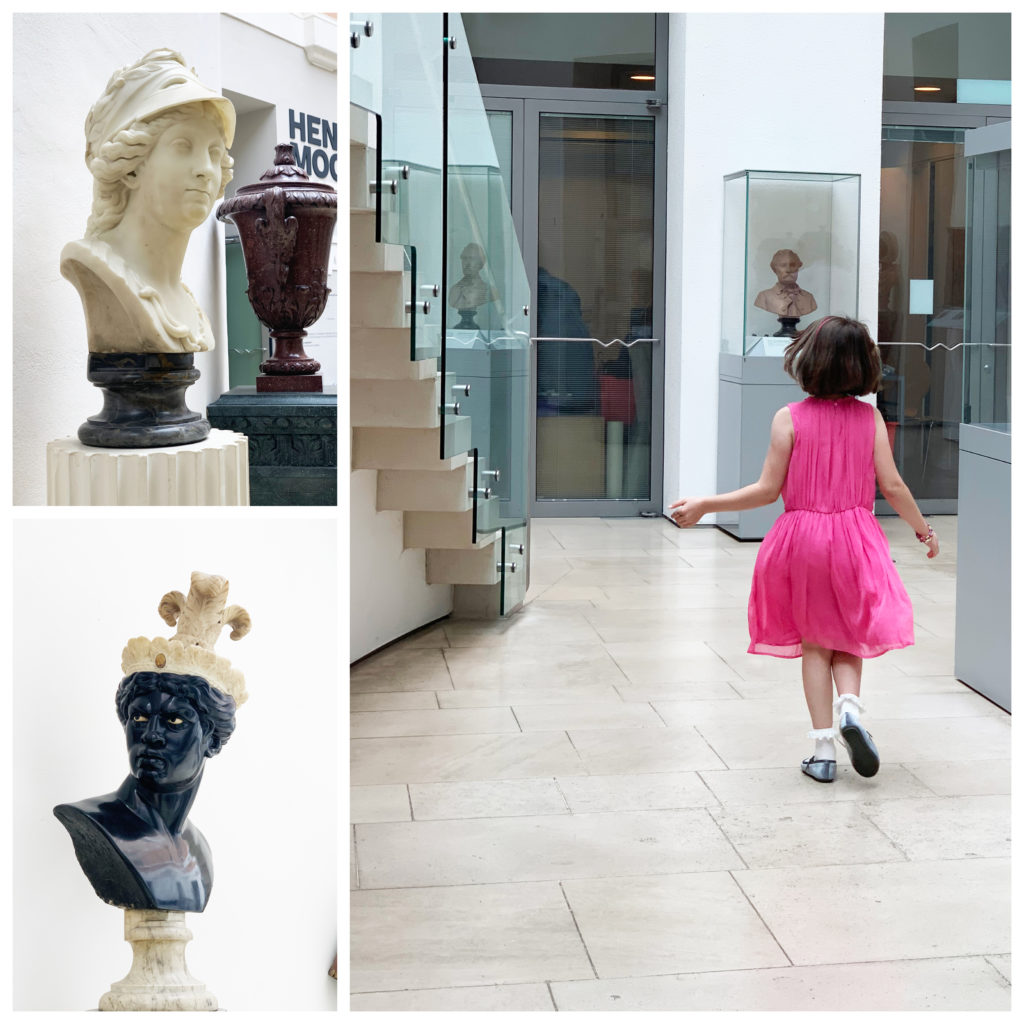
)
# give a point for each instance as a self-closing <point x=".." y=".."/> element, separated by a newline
<point x="824" y="573"/>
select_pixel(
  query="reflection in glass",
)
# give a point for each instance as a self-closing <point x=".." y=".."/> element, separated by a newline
<point x="582" y="51"/>
<point x="922" y="239"/>
<point x="594" y="306"/>
<point x="941" y="57"/>
<point x="987" y="313"/>
<point x="487" y="338"/>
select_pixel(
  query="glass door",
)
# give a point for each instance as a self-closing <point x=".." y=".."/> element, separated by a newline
<point x="921" y="306"/>
<point x="594" y="247"/>
<point x="585" y="183"/>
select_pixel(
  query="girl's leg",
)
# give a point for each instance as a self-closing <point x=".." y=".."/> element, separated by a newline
<point x="846" y="671"/>
<point x="816" y="668"/>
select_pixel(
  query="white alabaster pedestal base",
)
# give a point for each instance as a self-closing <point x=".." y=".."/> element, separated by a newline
<point x="210" y="472"/>
<point x="159" y="978"/>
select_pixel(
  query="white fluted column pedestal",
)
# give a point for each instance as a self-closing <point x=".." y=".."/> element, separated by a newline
<point x="210" y="472"/>
<point x="159" y="978"/>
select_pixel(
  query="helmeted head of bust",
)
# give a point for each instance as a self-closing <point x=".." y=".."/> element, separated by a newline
<point x="139" y="105"/>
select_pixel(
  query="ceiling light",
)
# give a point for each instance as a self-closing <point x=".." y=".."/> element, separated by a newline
<point x="641" y="78"/>
<point x="927" y="88"/>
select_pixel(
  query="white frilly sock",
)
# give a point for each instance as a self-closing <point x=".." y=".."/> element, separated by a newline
<point x="848" y="704"/>
<point x="824" y="743"/>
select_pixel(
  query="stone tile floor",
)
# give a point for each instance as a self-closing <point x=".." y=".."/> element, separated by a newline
<point x="596" y="803"/>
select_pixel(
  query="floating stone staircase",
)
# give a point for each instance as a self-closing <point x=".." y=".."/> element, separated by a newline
<point x="399" y="405"/>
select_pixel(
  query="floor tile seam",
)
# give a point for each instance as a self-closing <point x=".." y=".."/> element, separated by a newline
<point x="754" y="908"/>
<point x="604" y="647"/>
<point x="891" y="840"/>
<point x="459" y="987"/>
<point x="551" y="994"/>
<point x="518" y="731"/>
<point x="579" y="933"/>
<point x="934" y="797"/>
<point x="906" y="767"/>
<point x="786" y="968"/>
<point x="935" y="862"/>
<point x="570" y="812"/>
<point x="732" y="845"/>
<point x="710" y="746"/>
<point x="714" y="796"/>
<point x="559" y="881"/>
<point x="561" y="793"/>
<point x="355" y="854"/>
<point x="721" y="658"/>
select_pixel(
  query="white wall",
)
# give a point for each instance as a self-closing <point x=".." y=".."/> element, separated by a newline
<point x="757" y="92"/>
<point x="61" y="65"/>
<point x="268" y="804"/>
<point x="389" y="594"/>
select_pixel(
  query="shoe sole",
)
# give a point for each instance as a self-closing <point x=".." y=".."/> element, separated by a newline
<point x="863" y="752"/>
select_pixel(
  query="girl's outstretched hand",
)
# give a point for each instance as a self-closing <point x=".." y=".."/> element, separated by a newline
<point x="932" y="543"/>
<point x="687" y="511"/>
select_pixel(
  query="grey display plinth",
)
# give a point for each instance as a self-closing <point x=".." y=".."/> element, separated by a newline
<point x="982" y="652"/>
<point x="750" y="391"/>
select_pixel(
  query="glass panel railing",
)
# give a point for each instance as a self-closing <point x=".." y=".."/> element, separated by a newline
<point x="365" y="61"/>
<point x="487" y="336"/>
<point x="397" y="73"/>
<point x="512" y="569"/>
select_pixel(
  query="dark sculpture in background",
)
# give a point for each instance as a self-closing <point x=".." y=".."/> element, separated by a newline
<point x="177" y="704"/>
<point x="285" y="223"/>
<point x="786" y="299"/>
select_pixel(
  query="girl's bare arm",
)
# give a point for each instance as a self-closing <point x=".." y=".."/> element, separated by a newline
<point x="767" y="488"/>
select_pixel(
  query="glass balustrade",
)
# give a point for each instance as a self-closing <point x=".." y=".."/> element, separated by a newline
<point x="449" y="209"/>
<point x="396" y="72"/>
<point x="487" y="335"/>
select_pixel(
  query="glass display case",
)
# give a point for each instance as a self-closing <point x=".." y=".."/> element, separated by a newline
<point x="790" y="254"/>
<point x="982" y="652"/>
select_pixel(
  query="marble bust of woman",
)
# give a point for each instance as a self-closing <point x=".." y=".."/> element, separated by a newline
<point x="157" y="147"/>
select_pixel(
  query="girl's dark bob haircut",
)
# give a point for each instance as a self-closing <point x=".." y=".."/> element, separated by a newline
<point x="834" y="356"/>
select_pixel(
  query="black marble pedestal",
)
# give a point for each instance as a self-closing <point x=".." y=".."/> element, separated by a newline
<point x="143" y="401"/>
<point x="293" y="443"/>
<point x="788" y="328"/>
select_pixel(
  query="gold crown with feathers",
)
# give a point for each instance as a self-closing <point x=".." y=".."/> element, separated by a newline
<point x="200" y="617"/>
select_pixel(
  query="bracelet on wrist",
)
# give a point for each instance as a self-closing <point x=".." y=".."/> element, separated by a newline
<point x="925" y="537"/>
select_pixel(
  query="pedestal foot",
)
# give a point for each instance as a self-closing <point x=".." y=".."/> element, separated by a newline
<point x="143" y="401"/>
<point x="159" y="978"/>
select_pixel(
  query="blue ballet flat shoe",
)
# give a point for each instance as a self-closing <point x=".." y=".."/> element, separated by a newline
<point x="860" y="745"/>
<point x="820" y="771"/>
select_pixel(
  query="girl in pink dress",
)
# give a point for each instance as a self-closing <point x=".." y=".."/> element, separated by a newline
<point x="825" y="589"/>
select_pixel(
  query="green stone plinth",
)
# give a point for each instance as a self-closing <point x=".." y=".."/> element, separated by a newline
<point x="293" y="443"/>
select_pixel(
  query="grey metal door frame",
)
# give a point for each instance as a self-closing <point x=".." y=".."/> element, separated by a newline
<point x="526" y="115"/>
<point x="526" y="105"/>
<point x="534" y="108"/>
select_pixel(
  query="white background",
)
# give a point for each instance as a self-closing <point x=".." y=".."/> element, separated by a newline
<point x="268" y="804"/>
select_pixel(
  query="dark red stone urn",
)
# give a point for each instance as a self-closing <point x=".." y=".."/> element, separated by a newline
<point x="285" y="223"/>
